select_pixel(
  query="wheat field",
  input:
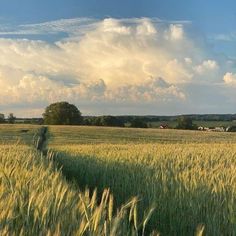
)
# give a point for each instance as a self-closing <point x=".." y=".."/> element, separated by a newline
<point x="109" y="181"/>
<point x="36" y="199"/>
<point x="191" y="181"/>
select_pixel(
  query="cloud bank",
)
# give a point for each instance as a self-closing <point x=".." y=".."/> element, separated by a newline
<point x="113" y="66"/>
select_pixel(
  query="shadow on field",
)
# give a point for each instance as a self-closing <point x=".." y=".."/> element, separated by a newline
<point x="179" y="210"/>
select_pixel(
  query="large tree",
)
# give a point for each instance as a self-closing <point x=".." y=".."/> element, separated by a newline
<point x="2" y="118"/>
<point x="62" y="113"/>
<point x="11" y="118"/>
<point x="185" y="122"/>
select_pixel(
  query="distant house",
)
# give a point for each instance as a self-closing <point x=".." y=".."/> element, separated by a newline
<point x="215" y="129"/>
<point x="164" y="126"/>
<point x="219" y="129"/>
<point x="201" y="128"/>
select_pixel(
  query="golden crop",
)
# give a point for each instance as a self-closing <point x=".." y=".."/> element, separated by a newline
<point x="190" y="184"/>
<point x="35" y="199"/>
<point x="187" y="180"/>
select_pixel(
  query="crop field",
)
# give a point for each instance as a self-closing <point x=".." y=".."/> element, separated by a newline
<point x="36" y="199"/>
<point x="188" y="176"/>
<point x="10" y="134"/>
<point x="70" y="135"/>
<point x="117" y="181"/>
<point x="173" y="124"/>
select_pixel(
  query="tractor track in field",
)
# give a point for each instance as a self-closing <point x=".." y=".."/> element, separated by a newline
<point x="42" y="139"/>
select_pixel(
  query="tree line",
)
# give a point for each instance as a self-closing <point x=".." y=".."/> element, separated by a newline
<point x="10" y="119"/>
<point x="64" y="113"/>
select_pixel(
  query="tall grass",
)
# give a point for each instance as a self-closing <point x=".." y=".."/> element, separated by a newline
<point x="35" y="199"/>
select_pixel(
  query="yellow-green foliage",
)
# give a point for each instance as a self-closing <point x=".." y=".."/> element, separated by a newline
<point x="36" y="200"/>
<point x="190" y="184"/>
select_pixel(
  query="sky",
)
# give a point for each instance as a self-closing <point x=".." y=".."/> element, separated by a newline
<point x="126" y="57"/>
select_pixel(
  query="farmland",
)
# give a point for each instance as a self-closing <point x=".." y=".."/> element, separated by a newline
<point x="10" y="134"/>
<point x="173" y="124"/>
<point x="58" y="135"/>
<point x="188" y="175"/>
<point x="185" y="178"/>
<point x="35" y="198"/>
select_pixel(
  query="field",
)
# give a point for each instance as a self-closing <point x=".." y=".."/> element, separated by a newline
<point x="175" y="182"/>
<point x="10" y="134"/>
<point x="173" y="124"/>
<point x="58" y="135"/>
<point x="189" y="176"/>
<point x="36" y="199"/>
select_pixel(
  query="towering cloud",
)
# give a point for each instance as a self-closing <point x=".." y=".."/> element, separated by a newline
<point x="112" y="62"/>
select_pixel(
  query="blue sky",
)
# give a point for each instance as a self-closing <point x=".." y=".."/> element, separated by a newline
<point x="210" y="17"/>
<point x="105" y="42"/>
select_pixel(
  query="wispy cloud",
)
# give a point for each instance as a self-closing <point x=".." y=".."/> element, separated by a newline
<point x="73" y="27"/>
<point x="231" y="37"/>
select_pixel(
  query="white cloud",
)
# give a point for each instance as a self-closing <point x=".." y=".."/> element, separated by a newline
<point x="175" y="32"/>
<point x="146" y="27"/>
<point x="113" y="61"/>
<point x="207" y="66"/>
<point x="230" y="79"/>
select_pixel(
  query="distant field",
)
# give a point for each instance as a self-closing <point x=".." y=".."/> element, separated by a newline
<point x="173" y="124"/>
<point x="188" y="175"/>
<point x="14" y="133"/>
<point x="59" y="135"/>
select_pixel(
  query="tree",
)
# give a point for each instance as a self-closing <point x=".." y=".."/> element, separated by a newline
<point x="2" y="119"/>
<point x="11" y="118"/>
<point x="111" y="121"/>
<point x="138" y="123"/>
<point x="62" y="113"/>
<point x="185" y="122"/>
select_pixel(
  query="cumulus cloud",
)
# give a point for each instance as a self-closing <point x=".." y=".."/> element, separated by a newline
<point x="175" y="32"/>
<point x="111" y="61"/>
<point x="230" y="79"/>
<point x="207" y="66"/>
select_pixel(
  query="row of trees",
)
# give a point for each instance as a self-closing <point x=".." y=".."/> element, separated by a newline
<point x="10" y="119"/>
<point x="63" y="113"/>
